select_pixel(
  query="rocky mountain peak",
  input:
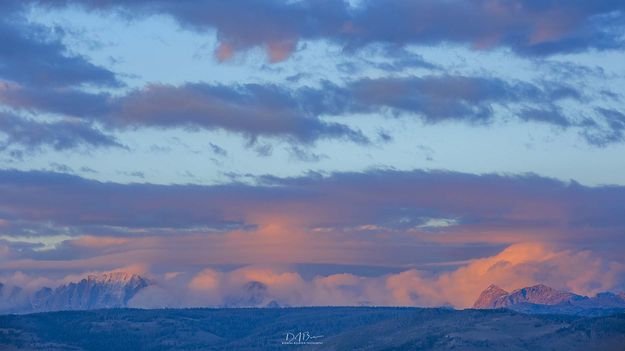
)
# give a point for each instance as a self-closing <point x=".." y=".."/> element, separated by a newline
<point x="118" y="277"/>
<point x="541" y="297"/>
<point x="537" y="294"/>
<point x="251" y="294"/>
<point x="105" y="290"/>
<point x="488" y="296"/>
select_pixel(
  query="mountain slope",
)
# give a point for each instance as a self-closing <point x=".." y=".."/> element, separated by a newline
<point x="106" y="290"/>
<point x="489" y="296"/>
<point x="544" y="299"/>
<point x="337" y="328"/>
<point x="538" y="294"/>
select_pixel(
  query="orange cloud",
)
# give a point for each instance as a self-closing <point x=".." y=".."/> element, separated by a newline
<point x="280" y="50"/>
<point x="99" y="241"/>
<point x="206" y="280"/>
<point x="517" y="266"/>
<point x="224" y="51"/>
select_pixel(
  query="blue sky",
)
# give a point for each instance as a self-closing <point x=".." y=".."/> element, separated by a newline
<point x="156" y="50"/>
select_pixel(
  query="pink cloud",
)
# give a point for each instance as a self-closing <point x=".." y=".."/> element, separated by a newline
<point x="280" y="50"/>
<point x="224" y="51"/>
<point x="206" y="280"/>
<point x="99" y="241"/>
<point x="516" y="266"/>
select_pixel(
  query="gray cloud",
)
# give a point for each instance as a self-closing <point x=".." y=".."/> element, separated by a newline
<point x="438" y="98"/>
<point x="391" y="200"/>
<point x="253" y="110"/>
<point x="32" y="135"/>
<point x="257" y="110"/>
<point x="528" y="27"/>
<point x="32" y="55"/>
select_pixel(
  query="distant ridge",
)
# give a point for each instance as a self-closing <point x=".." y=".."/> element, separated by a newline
<point x="105" y="290"/>
<point x="111" y="290"/>
<point x="334" y="328"/>
<point x="544" y="299"/>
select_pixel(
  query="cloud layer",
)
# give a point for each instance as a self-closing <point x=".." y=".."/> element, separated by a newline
<point x="427" y="220"/>
<point x="304" y="115"/>
<point x="527" y="27"/>
<point x="41" y="76"/>
<point x="516" y="266"/>
<point x="389" y="199"/>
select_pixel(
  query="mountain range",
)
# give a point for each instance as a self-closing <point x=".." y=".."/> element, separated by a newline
<point x="110" y="290"/>
<point x="544" y="299"/>
<point x="106" y="290"/>
<point x="117" y="289"/>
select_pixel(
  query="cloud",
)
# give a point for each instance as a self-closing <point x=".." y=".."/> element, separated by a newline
<point x="378" y="218"/>
<point x="259" y="286"/>
<point x="304" y="115"/>
<point x="612" y="132"/>
<point x="217" y="150"/>
<point x="516" y="266"/>
<point x="394" y="200"/>
<point x="41" y="76"/>
<point x="60" y="101"/>
<point x="252" y="109"/>
<point x="527" y="27"/>
<point x="444" y="97"/>
<point x="99" y="242"/>
<point x="275" y="25"/>
<point x="581" y="271"/>
<point x="59" y="135"/>
<point x="549" y="116"/>
<point x="530" y="27"/>
<point x="38" y="73"/>
<point x="31" y="135"/>
<point x="33" y="55"/>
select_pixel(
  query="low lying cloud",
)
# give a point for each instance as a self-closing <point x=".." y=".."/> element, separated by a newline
<point x="517" y="266"/>
<point x="449" y="234"/>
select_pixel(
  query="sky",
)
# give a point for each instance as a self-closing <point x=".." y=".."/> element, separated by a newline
<point x="404" y="152"/>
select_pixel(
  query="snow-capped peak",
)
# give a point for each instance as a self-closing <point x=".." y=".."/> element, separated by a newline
<point x="117" y="277"/>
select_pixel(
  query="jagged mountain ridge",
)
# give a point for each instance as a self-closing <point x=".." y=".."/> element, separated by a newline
<point x="488" y="296"/>
<point x="111" y="290"/>
<point x="251" y="294"/>
<point x="105" y="290"/>
<point x="544" y="299"/>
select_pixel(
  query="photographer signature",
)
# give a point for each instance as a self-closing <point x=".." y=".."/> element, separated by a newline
<point x="301" y="338"/>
